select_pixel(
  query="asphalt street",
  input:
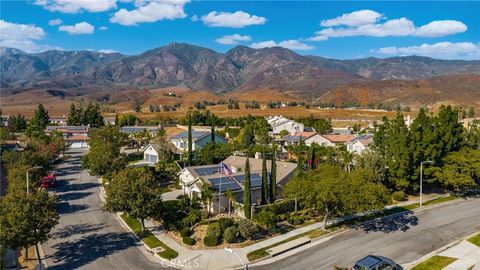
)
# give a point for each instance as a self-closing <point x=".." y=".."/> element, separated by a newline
<point x="87" y="237"/>
<point x="404" y="239"/>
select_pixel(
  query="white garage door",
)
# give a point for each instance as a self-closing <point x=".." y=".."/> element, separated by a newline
<point x="153" y="159"/>
<point x="76" y="145"/>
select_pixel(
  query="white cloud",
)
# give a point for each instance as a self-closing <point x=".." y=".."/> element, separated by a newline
<point x="232" y="39"/>
<point x="150" y="11"/>
<point x="78" y="28"/>
<point x="55" y="22"/>
<point x="103" y="28"/>
<point x="107" y="51"/>
<point x="75" y="6"/>
<point x="445" y="50"/>
<point x="237" y="19"/>
<point x="23" y="37"/>
<point x="194" y="18"/>
<point x="291" y="44"/>
<point x="370" y="23"/>
<point x="440" y="28"/>
<point x="356" y="18"/>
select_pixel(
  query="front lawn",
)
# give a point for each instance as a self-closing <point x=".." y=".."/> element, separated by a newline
<point x="434" y="263"/>
<point x="475" y="240"/>
<point x="148" y="238"/>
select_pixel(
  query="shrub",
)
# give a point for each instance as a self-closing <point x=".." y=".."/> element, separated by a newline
<point x="266" y="219"/>
<point x="399" y="196"/>
<point x="188" y="241"/>
<point x="231" y="234"/>
<point x="247" y="228"/>
<point x="214" y="233"/>
<point x="295" y="220"/>
<point x="224" y="223"/>
<point x="185" y="232"/>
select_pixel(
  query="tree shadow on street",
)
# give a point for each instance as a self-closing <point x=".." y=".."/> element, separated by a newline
<point x="74" y="254"/>
<point x="70" y="196"/>
<point x="70" y="230"/>
<point x="401" y="222"/>
<point x="66" y="208"/>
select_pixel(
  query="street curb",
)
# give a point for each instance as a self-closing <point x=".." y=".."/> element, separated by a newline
<point x="411" y="265"/>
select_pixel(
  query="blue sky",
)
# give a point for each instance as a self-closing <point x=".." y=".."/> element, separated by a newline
<point x="353" y="29"/>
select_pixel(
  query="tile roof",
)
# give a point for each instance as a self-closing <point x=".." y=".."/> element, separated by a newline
<point x="78" y="137"/>
<point x="339" y="138"/>
<point x="305" y="134"/>
<point x="135" y="129"/>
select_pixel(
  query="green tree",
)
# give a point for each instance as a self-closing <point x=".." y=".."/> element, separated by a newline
<point x="206" y="195"/>
<point x="104" y="156"/>
<point x="212" y="133"/>
<point x="264" y="178"/>
<point x="128" y="120"/>
<point x="135" y="192"/>
<point x="460" y="170"/>
<point x="137" y="106"/>
<point x="266" y="219"/>
<point x="26" y="220"/>
<point x="18" y="123"/>
<point x="273" y="177"/>
<point x="73" y="118"/>
<point x="471" y="112"/>
<point x="41" y="117"/>
<point x="333" y="192"/>
<point x="247" y="192"/>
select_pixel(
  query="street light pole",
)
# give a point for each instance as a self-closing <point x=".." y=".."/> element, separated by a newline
<point x="245" y="265"/>
<point x="421" y="179"/>
<point x="28" y="178"/>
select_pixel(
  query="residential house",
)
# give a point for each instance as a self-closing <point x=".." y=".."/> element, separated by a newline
<point x="6" y="120"/>
<point x="59" y="121"/>
<point x="336" y="139"/>
<point x="151" y="153"/>
<point x="307" y="137"/>
<point x="76" y="136"/>
<point x="199" y="140"/>
<point x="279" y="123"/>
<point x="109" y="120"/>
<point x="360" y="143"/>
<point x="193" y="178"/>
<point x="130" y="130"/>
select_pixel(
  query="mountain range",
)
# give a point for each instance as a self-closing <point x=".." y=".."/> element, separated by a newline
<point x="239" y="69"/>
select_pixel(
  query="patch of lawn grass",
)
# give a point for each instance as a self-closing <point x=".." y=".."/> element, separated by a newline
<point x="434" y="263"/>
<point x="475" y="240"/>
<point x="148" y="238"/>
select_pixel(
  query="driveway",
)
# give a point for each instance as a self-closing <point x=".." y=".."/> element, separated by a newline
<point x="403" y="239"/>
<point x="87" y="237"/>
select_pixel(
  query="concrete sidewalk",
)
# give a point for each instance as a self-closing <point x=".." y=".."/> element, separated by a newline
<point x="466" y="253"/>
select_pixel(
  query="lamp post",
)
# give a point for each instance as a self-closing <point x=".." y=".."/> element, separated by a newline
<point x="28" y="179"/>
<point x="421" y="178"/>
<point x="245" y="266"/>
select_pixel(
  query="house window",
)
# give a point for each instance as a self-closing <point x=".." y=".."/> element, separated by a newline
<point x="180" y="145"/>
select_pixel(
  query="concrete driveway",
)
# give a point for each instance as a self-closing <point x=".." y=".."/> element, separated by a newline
<point x="87" y="237"/>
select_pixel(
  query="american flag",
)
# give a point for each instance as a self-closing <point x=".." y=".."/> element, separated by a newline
<point x="225" y="169"/>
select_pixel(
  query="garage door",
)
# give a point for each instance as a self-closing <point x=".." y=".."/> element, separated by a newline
<point x="153" y="158"/>
<point x="76" y="145"/>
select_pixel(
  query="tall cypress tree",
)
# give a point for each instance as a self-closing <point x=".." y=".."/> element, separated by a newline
<point x="247" y="193"/>
<point x="73" y="117"/>
<point x="264" y="178"/>
<point x="41" y="116"/>
<point x="212" y="133"/>
<point x="273" y="177"/>
<point x="189" y="143"/>
<point x="313" y="164"/>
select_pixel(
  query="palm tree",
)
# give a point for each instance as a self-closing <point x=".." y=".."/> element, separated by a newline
<point x="347" y="158"/>
<point x="231" y="198"/>
<point x="206" y="196"/>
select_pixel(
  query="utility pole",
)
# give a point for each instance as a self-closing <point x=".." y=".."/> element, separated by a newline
<point x="421" y="178"/>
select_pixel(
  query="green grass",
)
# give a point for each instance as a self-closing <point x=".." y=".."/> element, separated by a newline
<point x="475" y="240"/>
<point x="262" y="252"/>
<point x="148" y="238"/>
<point x="434" y="263"/>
